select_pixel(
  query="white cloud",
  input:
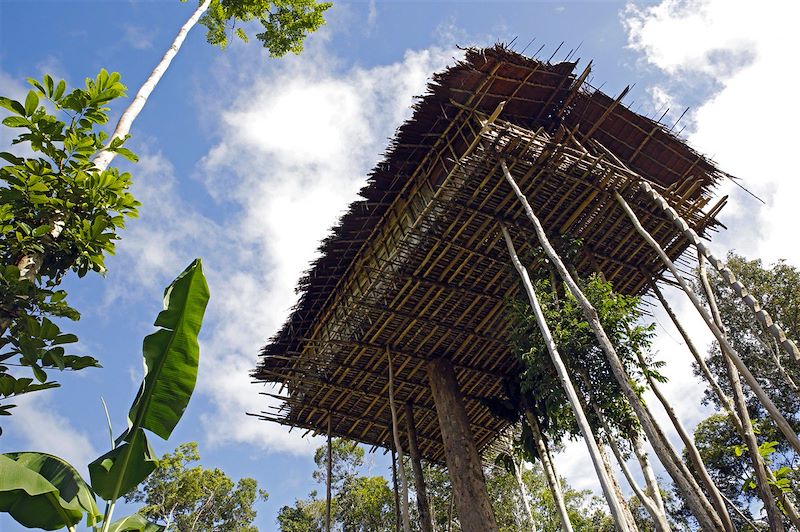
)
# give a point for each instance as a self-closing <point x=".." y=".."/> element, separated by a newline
<point x="138" y="37"/>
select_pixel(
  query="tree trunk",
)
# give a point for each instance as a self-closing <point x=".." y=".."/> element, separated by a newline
<point x="694" y="497"/>
<point x="653" y="489"/>
<point x="419" y="479"/>
<point x="762" y="315"/>
<point x="727" y="349"/>
<point x="759" y="467"/>
<point x="129" y="115"/>
<point x="463" y="462"/>
<point x="583" y="424"/>
<point x="399" y="448"/>
<point x="329" y="466"/>
<point x="523" y="491"/>
<point x="548" y="467"/>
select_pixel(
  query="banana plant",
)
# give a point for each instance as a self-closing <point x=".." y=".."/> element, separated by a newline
<point x="43" y="491"/>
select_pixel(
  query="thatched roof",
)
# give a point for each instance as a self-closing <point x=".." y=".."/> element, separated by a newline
<point x="418" y="266"/>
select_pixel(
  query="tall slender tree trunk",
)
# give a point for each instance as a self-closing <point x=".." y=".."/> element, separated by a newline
<point x="695" y="499"/>
<point x="762" y="315"/>
<point x="399" y="448"/>
<point x="425" y="522"/>
<point x="548" y="467"/>
<point x="328" y="480"/>
<point x="728" y="350"/>
<point x="523" y="491"/>
<point x="132" y="111"/>
<point x="759" y="467"/>
<point x="583" y="424"/>
<point x="653" y="489"/>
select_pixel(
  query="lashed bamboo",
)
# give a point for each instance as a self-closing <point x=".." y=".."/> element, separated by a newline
<point x="617" y="511"/>
<point x="698" y="503"/>
<point x="761" y="314"/>
<point x="757" y="461"/>
<point x="784" y="426"/>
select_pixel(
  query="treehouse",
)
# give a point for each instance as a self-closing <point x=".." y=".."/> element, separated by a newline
<point x="408" y="297"/>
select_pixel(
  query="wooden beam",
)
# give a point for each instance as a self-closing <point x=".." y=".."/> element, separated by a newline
<point x="416" y="464"/>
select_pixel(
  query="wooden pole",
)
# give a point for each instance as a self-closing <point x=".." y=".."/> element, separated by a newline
<point x="637" y="444"/>
<point x="419" y="479"/>
<point x="759" y="467"/>
<point x="566" y="383"/>
<point x="396" y="432"/>
<point x="695" y="499"/>
<point x="463" y="462"/>
<point x="762" y="315"/>
<point x="727" y="348"/>
<point x="396" y="492"/>
<point x="547" y="467"/>
<point x="329" y="466"/>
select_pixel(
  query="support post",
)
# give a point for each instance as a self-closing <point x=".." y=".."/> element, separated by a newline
<point x="695" y="499"/>
<point x="329" y="466"/>
<point x="566" y="383"/>
<point x="396" y="493"/>
<point x="463" y="462"/>
<point x="416" y="463"/>
<point x="396" y="433"/>
<point x="727" y="349"/>
<point x="762" y="315"/>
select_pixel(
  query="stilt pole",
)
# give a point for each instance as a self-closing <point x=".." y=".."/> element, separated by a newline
<point x="396" y="432"/>
<point x="759" y="467"/>
<point x="762" y="315"/>
<point x="329" y="466"/>
<point x="566" y="384"/>
<point x="695" y="499"/>
<point x="419" y="479"/>
<point x="475" y="513"/>
<point x="727" y="348"/>
<point x="396" y="492"/>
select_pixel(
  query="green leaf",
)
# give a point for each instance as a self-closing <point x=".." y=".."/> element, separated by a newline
<point x="43" y="491"/>
<point x="16" y="121"/>
<point x="31" y="103"/>
<point x="172" y="355"/>
<point x="124" y="467"/>
<point x="12" y="105"/>
<point x="134" y="523"/>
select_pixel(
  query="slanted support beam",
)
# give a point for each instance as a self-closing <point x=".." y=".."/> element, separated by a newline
<point x="761" y="315"/>
<point x="416" y="464"/>
<point x="463" y="462"/>
<point x="399" y="447"/>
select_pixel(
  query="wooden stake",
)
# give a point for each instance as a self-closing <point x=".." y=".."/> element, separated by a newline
<point x="759" y="467"/>
<point x="762" y="315"/>
<point x="328" y="478"/>
<point x="548" y="467"/>
<point x="416" y="463"/>
<point x="695" y="499"/>
<point x="463" y="461"/>
<point x="566" y="383"/>
<point x="727" y="348"/>
<point x="396" y="432"/>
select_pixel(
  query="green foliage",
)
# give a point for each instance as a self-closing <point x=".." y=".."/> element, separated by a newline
<point x="50" y="483"/>
<point x="193" y="498"/>
<point x="582" y="355"/>
<point x="347" y="458"/>
<point x="307" y="515"/>
<point x="366" y="504"/>
<point x="42" y="491"/>
<point x="286" y="23"/>
<point x="57" y="213"/>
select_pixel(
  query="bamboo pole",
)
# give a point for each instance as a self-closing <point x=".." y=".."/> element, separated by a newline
<point x="698" y="503"/>
<point x="566" y="383"/>
<point x="329" y="467"/>
<point x="759" y="466"/>
<point x="548" y="467"/>
<point x="691" y="449"/>
<point x="398" y="446"/>
<point x="419" y="479"/>
<point x="727" y="349"/>
<point x="762" y="315"/>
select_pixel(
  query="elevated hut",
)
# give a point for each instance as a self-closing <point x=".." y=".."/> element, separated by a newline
<point x="417" y="271"/>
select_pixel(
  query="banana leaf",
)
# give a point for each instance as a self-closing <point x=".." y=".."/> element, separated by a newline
<point x="135" y="523"/>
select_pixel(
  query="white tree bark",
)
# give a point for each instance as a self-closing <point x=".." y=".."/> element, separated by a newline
<point x="695" y="499"/>
<point x="125" y="122"/>
<point x="566" y="383"/>
<point x="653" y="489"/>
<point x="399" y="447"/>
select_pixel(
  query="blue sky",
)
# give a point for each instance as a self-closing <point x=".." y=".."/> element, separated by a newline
<point x="225" y="174"/>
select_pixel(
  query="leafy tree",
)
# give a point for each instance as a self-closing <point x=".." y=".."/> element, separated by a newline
<point x="366" y="504"/>
<point x="305" y="516"/>
<point x="193" y="498"/>
<point x="58" y="213"/>
<point x="346" y="459"/>
<point x="42" y="490"/>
